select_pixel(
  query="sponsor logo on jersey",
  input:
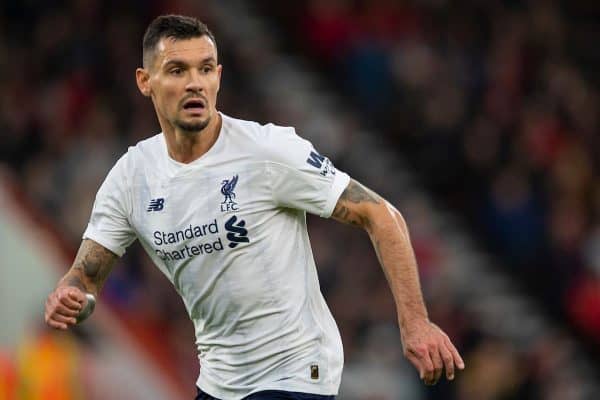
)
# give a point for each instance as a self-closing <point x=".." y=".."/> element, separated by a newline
<point x="227" y="190"/>
<point x="156" y="205"/>
<point x="198" y="240"/>
<point x="321" y="163"/>
<point x="236" y="232"/>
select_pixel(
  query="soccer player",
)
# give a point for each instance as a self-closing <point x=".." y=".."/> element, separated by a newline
<point x="219" y="205"/>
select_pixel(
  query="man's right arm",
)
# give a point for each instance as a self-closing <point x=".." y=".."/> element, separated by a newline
<point x="88" y="274"/>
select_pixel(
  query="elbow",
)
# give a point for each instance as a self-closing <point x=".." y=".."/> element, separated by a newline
<point x="397" y="218"/>
<point x="383" y="216"/>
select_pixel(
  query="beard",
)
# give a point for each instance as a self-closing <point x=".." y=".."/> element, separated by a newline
<point x="192" y="127"/>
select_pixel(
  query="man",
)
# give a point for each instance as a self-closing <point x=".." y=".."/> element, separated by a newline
<point x="219" y="205"/>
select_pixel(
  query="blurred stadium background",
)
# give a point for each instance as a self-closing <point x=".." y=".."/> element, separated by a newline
<point x="478" y="119"/>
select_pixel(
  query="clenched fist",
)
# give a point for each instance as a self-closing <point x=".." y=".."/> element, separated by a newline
<point x="63" y="307"/>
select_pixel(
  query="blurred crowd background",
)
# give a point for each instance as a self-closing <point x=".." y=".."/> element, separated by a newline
<point x="494" y="106"/>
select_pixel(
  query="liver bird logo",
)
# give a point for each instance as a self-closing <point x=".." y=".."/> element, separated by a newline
<point x="227" y="189"/>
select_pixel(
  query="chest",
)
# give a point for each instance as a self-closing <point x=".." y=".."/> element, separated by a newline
<point x="200" y="212"/>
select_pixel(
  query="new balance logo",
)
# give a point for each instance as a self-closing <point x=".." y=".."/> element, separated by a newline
<point x="156" y="205"/>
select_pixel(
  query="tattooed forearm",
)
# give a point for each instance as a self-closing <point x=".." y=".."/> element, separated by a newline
<point x="95" y="260"/>
<point x="75" y="280"/>
<point x="357" y="193"/>
<point x="92" y="265"/>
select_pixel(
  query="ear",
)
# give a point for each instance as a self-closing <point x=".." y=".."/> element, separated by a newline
<point x="142" y="78"/>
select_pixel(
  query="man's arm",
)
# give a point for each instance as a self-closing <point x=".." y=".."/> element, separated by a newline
<point x="88" y="274"/>
<point x="425" y="345"/>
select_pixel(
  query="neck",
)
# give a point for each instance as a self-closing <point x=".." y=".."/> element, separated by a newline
<point x="186" y="147"/>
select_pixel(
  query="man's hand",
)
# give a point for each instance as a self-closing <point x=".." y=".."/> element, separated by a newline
<point x="63" y="306"/>
<point x="87" y="275"/>
<point x="430" y="350"/>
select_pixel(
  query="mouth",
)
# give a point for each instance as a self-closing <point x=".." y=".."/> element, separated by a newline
<point x="194" y="105"/>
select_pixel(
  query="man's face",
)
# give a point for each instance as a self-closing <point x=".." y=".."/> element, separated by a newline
<point x="183" y="81"/>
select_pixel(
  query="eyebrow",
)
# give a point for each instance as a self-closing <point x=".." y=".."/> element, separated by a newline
<point x="179" y="62"/>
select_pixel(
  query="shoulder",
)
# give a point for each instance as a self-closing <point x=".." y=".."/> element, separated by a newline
<point x="252" y="130"/>
<point x="137" y="157"/>
<point x="269" y="141"/>
<point x="144" y="151"/>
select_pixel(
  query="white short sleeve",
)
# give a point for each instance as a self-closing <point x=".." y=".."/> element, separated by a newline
<point x="109" y="223"/>
<point x="300" y="176"/>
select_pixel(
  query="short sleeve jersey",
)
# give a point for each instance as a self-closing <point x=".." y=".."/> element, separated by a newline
<point x="229" y="231"/>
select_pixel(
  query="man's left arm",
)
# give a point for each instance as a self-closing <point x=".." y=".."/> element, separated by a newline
<point x="425" y="345"/>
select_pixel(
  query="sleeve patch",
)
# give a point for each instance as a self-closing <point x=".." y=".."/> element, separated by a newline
<point x="321" y="163"/>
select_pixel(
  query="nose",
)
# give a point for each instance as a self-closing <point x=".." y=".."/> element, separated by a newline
<point x="195" y="82"/>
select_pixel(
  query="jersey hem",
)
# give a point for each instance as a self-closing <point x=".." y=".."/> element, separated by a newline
<point x="323" y="390"/>
<point x="93" y="234"/>
<point x="340" y="182"/>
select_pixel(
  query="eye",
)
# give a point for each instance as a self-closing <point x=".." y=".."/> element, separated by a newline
<point x="176" y="71"/>
<point x="207" y="69"/>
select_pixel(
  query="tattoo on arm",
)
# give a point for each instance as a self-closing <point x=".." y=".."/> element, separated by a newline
<point x="346" y="210"/>
<point x="75" y="280"/>
<point x="92" y="265"/>
<point x="341" y="212"/>
<point x="357" y="193"/>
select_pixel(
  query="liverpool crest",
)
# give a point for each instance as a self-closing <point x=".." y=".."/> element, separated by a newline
<point x="228" y="190"/>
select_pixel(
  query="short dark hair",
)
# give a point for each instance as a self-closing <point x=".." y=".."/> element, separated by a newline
<point x="175" y="27"/>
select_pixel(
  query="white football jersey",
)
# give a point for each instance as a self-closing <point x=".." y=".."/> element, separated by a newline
<point x="229" y="231"/>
